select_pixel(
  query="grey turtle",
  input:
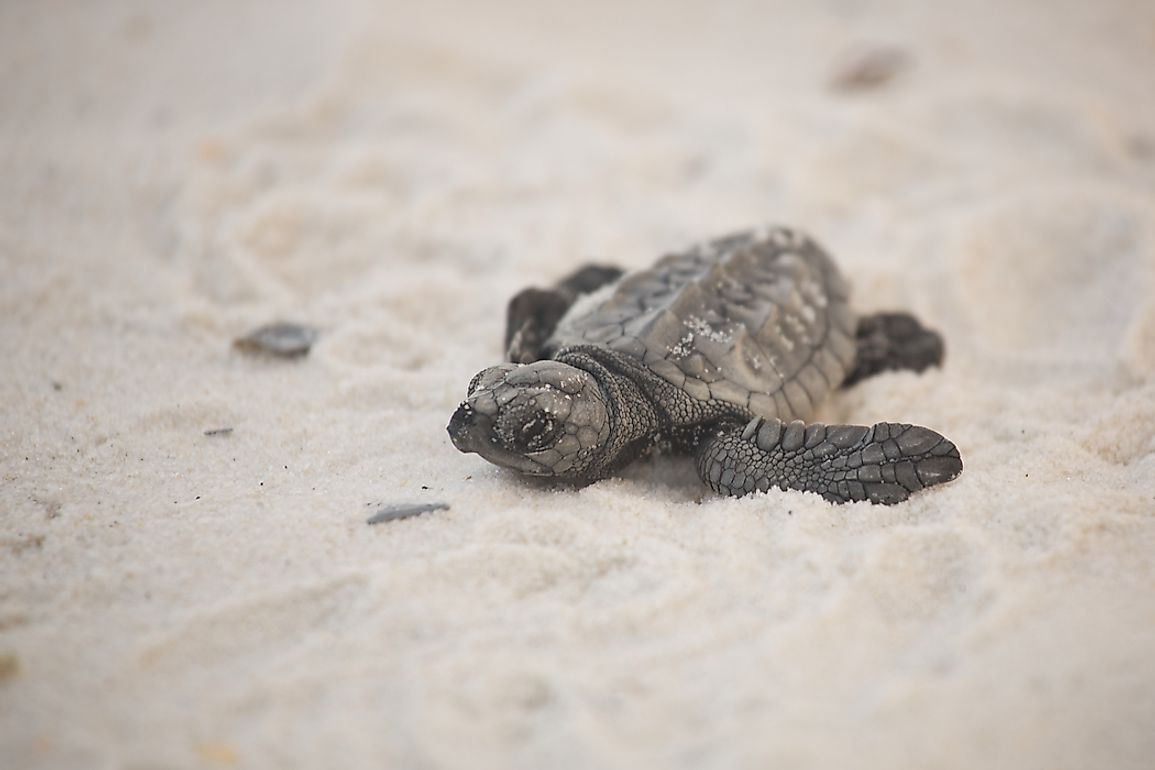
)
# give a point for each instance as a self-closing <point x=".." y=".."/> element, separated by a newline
<point x="723" y="351"/>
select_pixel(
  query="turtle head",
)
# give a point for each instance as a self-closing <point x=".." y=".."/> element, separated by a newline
<point x="544" y="419"/>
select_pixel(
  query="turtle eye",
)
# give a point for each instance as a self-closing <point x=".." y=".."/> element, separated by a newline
<point x="538" y="432"/>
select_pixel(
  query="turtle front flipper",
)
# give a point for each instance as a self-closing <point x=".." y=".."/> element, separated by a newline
<point x="890" y="342"/>
<point x="884" y="463"/>
<point x="534" y="313"/>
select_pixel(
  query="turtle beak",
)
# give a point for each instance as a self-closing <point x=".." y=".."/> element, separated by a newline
<point x="464" y="429"/>
<point x="472" y="431"/>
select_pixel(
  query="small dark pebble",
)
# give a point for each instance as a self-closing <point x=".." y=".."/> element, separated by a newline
<point x="404" y="511"/>
<point x="282" y="339"/>
<point x="869" y="68"/>
<point x="57" y="386"/>
<point x="218" y="432"/>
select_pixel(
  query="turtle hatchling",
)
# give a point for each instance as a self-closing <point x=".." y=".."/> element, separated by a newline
<point x="723" y="351"/>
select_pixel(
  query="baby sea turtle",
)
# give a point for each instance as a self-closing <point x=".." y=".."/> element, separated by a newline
<point x="722" y="351"/>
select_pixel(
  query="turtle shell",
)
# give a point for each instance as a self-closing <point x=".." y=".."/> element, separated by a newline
<point x="759" y="320"/>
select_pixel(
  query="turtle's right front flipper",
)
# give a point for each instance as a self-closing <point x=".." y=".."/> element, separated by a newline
<point x="534" y="313"/>
<point x="884" y="463"/>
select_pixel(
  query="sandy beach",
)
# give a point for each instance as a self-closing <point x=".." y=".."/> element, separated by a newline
<point x="174" y="176"/>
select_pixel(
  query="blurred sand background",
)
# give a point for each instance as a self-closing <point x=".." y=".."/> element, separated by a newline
<point x="173" y="174"/>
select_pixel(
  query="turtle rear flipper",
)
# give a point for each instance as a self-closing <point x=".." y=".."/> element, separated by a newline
<point x="891" y="342"/>
<point x="883" y="463"/>
<point x="534" y="313"/>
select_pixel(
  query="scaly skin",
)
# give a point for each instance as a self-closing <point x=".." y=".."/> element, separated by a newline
<point x="884" y="463"/>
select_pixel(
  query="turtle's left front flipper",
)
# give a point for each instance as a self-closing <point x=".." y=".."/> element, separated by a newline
<point x="883" y="463"/>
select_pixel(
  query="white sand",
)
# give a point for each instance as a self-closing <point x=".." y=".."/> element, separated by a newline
<point x="173" y="174"/>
